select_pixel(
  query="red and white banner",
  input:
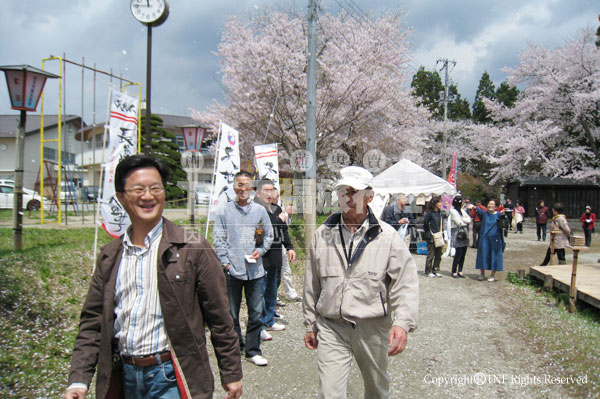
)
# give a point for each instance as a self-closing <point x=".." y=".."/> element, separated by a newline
<point x="122" y="141"/>
<point x="267" y="163"/>
<point x="228" y="164"/>
<point x="453" y="171"/>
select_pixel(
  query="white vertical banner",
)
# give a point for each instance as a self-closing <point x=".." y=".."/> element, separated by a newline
<point x="228" y="164"/>
<point x="122" y="141"/>
<point x="267" y="163"/>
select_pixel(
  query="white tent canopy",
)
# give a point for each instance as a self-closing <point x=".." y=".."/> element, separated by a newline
<point x="406" y="177"/>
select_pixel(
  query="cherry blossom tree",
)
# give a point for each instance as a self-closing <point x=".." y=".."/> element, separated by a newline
<point x="554" y="127"/>
<point x="363" y="101"/>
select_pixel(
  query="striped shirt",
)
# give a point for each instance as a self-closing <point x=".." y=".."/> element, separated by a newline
<point x="139" y="323"/>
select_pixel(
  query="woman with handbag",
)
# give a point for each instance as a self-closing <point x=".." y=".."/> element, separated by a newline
<point x="491" y="241"/>
<point x="432" y="224"/>
<point x="460" y="235"/>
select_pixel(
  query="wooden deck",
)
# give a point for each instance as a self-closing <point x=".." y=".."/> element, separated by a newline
<point x="587" y="282"/>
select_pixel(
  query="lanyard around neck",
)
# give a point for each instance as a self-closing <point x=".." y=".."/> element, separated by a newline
<point x="348" y="254"/>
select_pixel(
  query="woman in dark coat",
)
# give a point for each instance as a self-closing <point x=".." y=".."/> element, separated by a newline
<point x="433" y="222"/>
<point x="491" y="241"/>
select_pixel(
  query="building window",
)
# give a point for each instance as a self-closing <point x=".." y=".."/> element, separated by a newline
<point x="68" y="157"/>
<point x="99" y="144"/>
<point x="180" y="142"/>
<point x="50" y="154"/>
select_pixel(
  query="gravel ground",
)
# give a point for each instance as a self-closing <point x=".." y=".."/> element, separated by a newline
<point x="469" y="343"/>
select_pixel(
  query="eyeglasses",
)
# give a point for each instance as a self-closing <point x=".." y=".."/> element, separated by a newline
<point x="141" y="190"/>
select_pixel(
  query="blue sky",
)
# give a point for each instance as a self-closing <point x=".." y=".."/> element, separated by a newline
<point x="480" y="35"/>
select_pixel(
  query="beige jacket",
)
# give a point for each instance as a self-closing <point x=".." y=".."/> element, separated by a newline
<point x="381" y="280"/>
<point x="561" y="239"/>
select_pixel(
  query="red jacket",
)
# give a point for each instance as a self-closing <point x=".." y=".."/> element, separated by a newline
<point x="584" y="220"/>
<point x="542" y="215"/>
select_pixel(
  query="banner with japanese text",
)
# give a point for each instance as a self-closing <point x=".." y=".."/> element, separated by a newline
<point x="227" y="165"/>
<point x="453" y="171"/>
<point x="267" y="163"/>
<point x="122" y="141"/>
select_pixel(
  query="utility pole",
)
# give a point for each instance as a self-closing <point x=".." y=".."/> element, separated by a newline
<point x="444" y="68"/>
<point x="310" y="191"/>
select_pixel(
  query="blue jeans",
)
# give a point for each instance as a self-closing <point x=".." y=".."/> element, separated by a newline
<point x="269" y="297"/>
<point x="541" y="231"/>
<point x="254" y="300"/>
<point x="154" y="382"/>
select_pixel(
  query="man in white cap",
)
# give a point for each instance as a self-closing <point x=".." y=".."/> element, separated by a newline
<point x="361" y="293"/>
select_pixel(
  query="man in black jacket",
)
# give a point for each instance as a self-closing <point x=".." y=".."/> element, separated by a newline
<point x="272" y="261"/>
<point x="396" y="214"/>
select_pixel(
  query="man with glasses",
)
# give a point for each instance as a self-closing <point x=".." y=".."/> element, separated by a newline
<point x="242" y="235"/>
<point x="361" y="292"/>
<point x="151" y="295"/>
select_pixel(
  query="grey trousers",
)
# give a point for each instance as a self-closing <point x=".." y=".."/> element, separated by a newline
<point x="339" y="343"/>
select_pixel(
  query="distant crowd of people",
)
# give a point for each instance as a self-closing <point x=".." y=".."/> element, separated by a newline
<point x="489" y="226"/>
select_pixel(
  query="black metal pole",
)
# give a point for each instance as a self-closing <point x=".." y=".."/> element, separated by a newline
<point x="147" y="146"/>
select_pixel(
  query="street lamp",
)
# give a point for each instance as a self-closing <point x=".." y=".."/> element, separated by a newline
<point x="25" y="86"/>
<point x="192" y="161"/>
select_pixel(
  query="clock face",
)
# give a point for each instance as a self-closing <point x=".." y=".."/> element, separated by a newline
<point x="147" y="11"/>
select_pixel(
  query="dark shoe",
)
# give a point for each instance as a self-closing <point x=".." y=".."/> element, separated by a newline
<point x="279" y="304"/>
<point x="454" y="275"/>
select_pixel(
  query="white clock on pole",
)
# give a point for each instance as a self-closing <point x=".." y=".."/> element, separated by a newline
<point x="150" y="12"/>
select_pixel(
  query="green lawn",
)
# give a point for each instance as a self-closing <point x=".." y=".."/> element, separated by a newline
<point x="42" y="288"/>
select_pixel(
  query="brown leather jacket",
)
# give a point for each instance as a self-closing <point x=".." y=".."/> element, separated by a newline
<point x="193" y="294"/>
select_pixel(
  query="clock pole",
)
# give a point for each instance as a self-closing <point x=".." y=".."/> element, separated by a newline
<point x="153" y="13"/>
<point x="147" y="146"/>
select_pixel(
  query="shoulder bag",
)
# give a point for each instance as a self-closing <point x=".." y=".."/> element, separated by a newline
<point x="438" y="238"/>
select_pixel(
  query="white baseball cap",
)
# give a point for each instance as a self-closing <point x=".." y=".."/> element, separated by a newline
<point x="354" y="176"/>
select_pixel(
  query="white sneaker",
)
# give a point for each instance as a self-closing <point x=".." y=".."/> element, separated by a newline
<point x="438" y="275"/>
<point x="431" y="275"/>
<point x="265" y="336"/>
<point x="276" y="327"/>
<point x="258" y="360"/>
<point x="278" y="316"/>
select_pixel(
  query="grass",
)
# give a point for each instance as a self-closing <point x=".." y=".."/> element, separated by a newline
<point x="42" y="288"/>
<point x="568" y="340"/>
